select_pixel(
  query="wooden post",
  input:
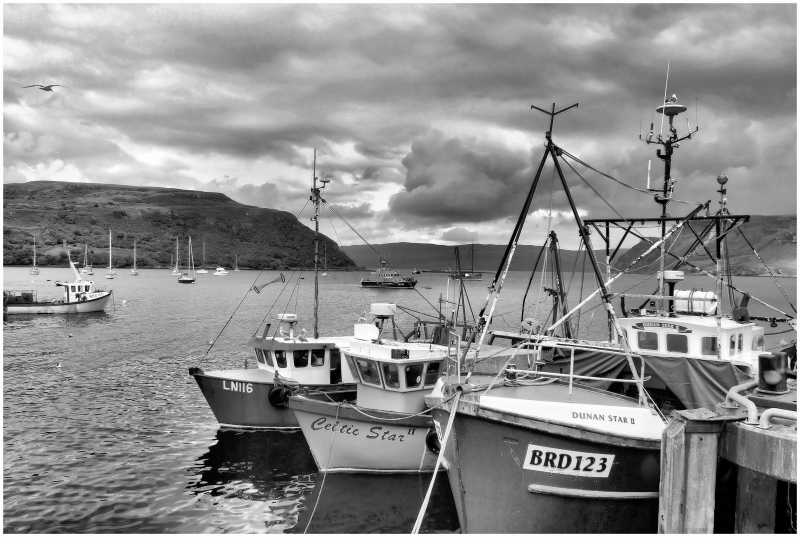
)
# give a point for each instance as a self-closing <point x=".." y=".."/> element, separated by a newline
<point x="689" y="472"/>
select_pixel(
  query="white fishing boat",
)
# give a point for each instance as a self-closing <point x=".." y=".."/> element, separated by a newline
<point x="110" y="275"/>
<point x="34" y="271"/>
<point x="386" y="429"/>
<point x="176" y="270"/>
<point x="189" y="275"/>
<point x="134" y="272"/>
<point x="220" y="271"/>
<point x="203" y="269"/>
<point x="87" y="268"/>
<point x="79" y="296"/>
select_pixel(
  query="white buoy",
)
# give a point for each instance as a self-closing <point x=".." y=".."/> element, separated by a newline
<point x="59" y="364"/>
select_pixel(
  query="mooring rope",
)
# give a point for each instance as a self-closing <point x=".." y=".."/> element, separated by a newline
<point x="324" y="474"/>
<point x="424" y="507"/>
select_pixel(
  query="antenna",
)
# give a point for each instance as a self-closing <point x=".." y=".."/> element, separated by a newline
<point x="648" y="174"/>
<point x="665" y="100"/>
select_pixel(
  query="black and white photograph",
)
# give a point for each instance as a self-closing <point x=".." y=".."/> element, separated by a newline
<point x="348" y="268"/>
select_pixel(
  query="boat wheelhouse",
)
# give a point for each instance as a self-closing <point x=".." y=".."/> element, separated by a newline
<point x="388" y="278"/>
<point x="79" y="296"/>
<point x="386" y="429"/>
<point x="286" y="361"/>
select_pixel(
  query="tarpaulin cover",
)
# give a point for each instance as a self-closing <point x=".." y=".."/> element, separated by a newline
<point x="695" y="383"/>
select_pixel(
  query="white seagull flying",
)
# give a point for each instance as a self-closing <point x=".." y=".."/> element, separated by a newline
<point x="44" y="88"/>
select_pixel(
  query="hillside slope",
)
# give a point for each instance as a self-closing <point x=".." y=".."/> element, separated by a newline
<point x="83" y="213"/>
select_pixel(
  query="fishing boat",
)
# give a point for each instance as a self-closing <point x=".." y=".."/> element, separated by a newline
<point x="176" y="270"/>
<point x="287" y="361"/>
<point x="387" y="278"/>
<point x="386" y="430"/>
<point x="220" y="271"/>
<point x="188" y="276"/>
<point x="236" y="264"/>
<point x="415" y="271"/>
<point x="467" y="276"/>
<point x="34" y="271"/>
<point x="203" y="269"/>
<point x="134" y="272"/>
<point x="110" y="275"/>
<point x="572" y="429"/>
<point x="87" y="268"/>
<point x="79" y="296"/>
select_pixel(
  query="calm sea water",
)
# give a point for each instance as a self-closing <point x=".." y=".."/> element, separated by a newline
<point x="120" y="439"/>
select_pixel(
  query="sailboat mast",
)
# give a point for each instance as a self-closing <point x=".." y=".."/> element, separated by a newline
<point x="315" y="192"/>
<point x="109" y="250"/>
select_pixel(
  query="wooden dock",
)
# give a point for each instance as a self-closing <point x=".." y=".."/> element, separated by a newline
<point x="720" y="474"/>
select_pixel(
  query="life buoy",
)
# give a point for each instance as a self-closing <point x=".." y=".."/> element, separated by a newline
<point x="432" y="442"/>
<point x="279" y="396"/>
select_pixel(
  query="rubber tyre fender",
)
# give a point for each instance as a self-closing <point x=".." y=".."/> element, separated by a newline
<point x="432" y="442"/>
<point x="279" y="396"/>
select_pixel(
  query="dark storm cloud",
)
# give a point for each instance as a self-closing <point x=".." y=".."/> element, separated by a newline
<point x="434" y="99"/>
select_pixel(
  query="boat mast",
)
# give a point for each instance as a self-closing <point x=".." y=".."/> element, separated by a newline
<point x="109" y="250"/>
<point x="316" y="198"/>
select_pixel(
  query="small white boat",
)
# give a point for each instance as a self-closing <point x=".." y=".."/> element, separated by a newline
<point x="110" y="275"/>
<point x="134" y="272"/>
<point x="220" y="271"/>
<point x="34" y="271"/>
<point x="79" y="297"/>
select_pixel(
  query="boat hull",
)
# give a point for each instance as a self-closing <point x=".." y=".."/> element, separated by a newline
<point x="389" y="285"/>
<point x="362" y="440"/>
<point x="241" y="398"/>
<point x="496" y="474"/>
<point x="89" y="306"/>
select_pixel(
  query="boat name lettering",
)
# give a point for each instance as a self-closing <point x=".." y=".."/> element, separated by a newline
<point x="320" y="424"/>
<point x="566" y="462"/>
<point x="602" y="417"/>
<point x="655" y="324"/>
<point x="237" y="386"/>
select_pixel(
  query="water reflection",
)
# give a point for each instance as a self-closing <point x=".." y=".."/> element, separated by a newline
<point x="373" y="503"/>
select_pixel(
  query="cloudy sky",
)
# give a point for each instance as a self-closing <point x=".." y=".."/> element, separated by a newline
<point x="420" y="114"/>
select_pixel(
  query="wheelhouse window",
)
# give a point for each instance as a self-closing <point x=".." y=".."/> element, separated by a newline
<point x="280" y="358"/>
<point x="741" y="343"/>
<point x="260" y="357"/>
<point x="413" y="374"/>
<point x="677" y="343"/>
<point x="301" y="358"/>
<point x="368" y="371"/>
<point x="708" y="346"/>
<point x="733" y="344"/>
<point x="432" y="373"/>
<point x="317" y="357"/>
<point x="391" y="375"/>
<point x="647" y="341"/>
<point x="758" y="343"/>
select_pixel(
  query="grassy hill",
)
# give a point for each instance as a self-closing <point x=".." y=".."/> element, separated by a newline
<point x="83" y="213"/>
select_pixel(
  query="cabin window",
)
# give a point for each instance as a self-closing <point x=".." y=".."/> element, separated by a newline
<point x="268" y="358"/>
<point x="391" y="375"/>
<point x="317" y="357"/>
<point x="648" y="341"/>
<point x="741" y="343"/>
<point x="260" y="356"/>
<point x="432" y="373"/>
<point x="350" y="363"/>
<point x="758" y="343"/>
<point x="301" y="358"/>
<point x="369" y="371"/>
<point x="280" y="358"/>
<point x="414" y="375"/>
<point x="677" y="343"/>
<point x="709" y="345"/>
<point x="733" y="344"/>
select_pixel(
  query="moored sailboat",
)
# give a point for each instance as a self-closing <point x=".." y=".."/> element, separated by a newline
<point x="134" y="271"/>
<point x="176" y="270"/>
<point x="189" y="275"/>
<point x="110" y="275"/>
<point x="34" y="271"/>
<point x="87" y="267"/>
